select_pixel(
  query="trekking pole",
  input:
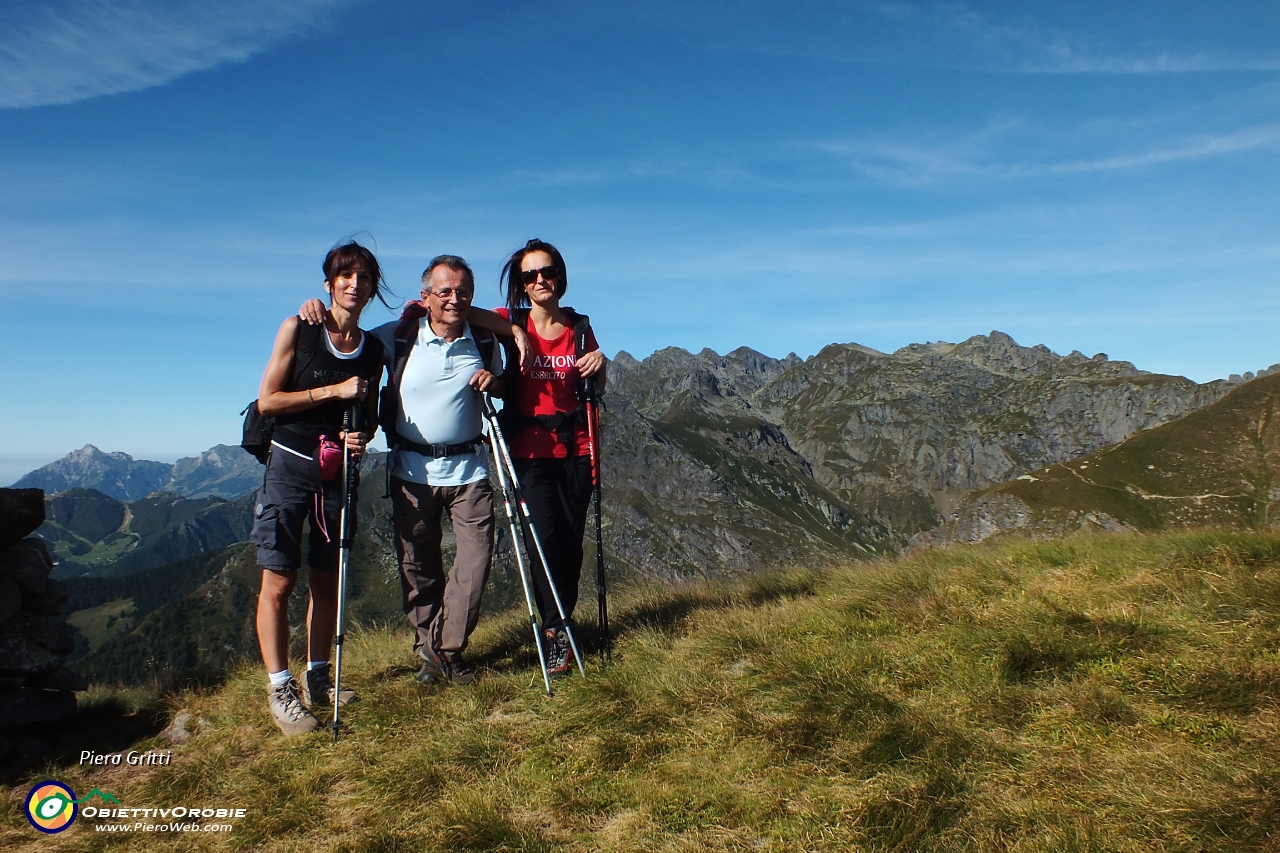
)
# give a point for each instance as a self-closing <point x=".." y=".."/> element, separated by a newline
<point x="491" y="426"/>
<point x="592" y="403"/>
<point x="350" y="423"/>
<point x="505" y="453"/>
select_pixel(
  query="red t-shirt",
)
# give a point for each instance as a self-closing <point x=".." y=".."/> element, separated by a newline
<point x="547" y="386"/>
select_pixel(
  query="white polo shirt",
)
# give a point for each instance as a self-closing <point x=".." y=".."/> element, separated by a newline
<point x="438" y="406"/>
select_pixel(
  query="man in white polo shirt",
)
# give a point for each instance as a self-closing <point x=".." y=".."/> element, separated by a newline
<point x="437" y="463"/>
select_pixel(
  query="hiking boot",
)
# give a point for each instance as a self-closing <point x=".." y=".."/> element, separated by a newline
<point x="287" y="709"/>
<point x="318" y="689"/>
<point x="559" y="652"/>
<point x="431" y="670"/>
<point x="455" y="670"/>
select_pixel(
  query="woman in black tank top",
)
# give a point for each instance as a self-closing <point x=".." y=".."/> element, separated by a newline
<point x="314" y="376"/>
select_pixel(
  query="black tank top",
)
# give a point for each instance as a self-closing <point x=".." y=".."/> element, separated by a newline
<point x="324" y="368"/>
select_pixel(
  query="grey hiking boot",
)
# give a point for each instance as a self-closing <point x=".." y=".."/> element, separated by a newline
<point x="559" y="652"/>
<point x="319" y="689"/>
<point x="455" y="670"/>
<point x="431" y="670"/>
<point x="287" y="710"/>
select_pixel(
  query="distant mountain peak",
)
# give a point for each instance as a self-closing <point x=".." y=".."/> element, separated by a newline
<point x="223" y="470"/>
<point x="999" y="353"/>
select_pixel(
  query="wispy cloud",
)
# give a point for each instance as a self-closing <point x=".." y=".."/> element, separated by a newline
<point x="998" y="43"/>
<point x="61" y="52"/>
<point x="1150" y="38"/>
<point x="919" y="164"/>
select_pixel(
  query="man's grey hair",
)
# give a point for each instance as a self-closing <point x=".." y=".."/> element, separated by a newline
<point x="454" y="263"/>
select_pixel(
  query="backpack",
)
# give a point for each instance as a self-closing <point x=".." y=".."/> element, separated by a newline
<point x="405" y="337"/>
<point x="511" y="419"/>
<point x="258" y="428"/>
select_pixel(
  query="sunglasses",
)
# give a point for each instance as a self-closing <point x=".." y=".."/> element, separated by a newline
<point x="547" y="273"/>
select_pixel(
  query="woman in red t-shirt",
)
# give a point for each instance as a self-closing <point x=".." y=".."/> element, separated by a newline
<point x="548" y="432"/>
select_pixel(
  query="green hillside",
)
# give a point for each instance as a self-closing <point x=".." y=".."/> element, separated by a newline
<point x="1102" y="693"/>
<point x="1218" y="466"/>
<point x="194" y="619"/>
<point x="89" y="532"/>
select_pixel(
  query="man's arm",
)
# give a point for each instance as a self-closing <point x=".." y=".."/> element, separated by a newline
<point x="493" y="322"/>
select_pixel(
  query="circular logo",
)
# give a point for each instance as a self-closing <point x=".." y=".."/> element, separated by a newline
<point x="51" y="806"/>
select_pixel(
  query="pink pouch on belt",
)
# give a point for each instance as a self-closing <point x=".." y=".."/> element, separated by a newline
<point x="330" y="458"/>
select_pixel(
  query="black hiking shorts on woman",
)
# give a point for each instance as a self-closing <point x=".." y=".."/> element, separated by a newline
<point x="291" y="493"/>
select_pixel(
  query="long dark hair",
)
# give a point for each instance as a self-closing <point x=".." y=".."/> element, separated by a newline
<point x="346" y="257"/>
<point x="516" y="297"/>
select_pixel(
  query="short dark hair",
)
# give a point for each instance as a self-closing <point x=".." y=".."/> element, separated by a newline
<point x="454" y="263"/>
<point x="349" y="255"/>
<point x="516" y="297"/>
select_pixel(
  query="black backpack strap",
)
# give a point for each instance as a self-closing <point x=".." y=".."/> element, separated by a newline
<point x="563" y="423"/>
<point x="406" y="335"/>
<point x="581" y="332"/>
<point x="305" y="347"/>
<point x="510" y="418"/>
<point x="485" y="342"/>
<point x="581" y="324"/>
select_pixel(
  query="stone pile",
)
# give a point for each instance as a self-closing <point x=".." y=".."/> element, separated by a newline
<point x="36" y="686"/>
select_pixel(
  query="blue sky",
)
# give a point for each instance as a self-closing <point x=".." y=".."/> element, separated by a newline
<point x="781" y="175"/>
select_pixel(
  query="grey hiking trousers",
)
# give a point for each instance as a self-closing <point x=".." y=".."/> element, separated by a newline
<point x="442" y="610"/>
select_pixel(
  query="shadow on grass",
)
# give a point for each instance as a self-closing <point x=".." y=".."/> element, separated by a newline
<point x="917" y="811"/>
<point x="101" y="725"/>
<point x="660" y="609"/>
<point x="1248" y="817"/>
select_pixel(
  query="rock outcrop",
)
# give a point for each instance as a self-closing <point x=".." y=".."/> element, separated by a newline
<point x="36" y="687"/>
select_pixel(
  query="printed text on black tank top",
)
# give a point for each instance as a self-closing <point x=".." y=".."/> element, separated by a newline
<point x="330" y="377"/>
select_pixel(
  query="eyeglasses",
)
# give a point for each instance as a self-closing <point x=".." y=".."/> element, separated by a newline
<point x="547" y="273"/>
<point x="449" y="292"/>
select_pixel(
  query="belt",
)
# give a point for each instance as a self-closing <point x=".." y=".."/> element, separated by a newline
<point x="438" y="451"/>
<point x="297" y="441"/>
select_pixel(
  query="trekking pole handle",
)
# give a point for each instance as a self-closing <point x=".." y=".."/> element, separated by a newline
<point x="352" y="418"/>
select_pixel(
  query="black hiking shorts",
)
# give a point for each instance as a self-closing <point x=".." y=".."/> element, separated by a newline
<point x="291" y="493"/>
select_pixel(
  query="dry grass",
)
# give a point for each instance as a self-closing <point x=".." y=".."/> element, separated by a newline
<point x="1102" y="693"/>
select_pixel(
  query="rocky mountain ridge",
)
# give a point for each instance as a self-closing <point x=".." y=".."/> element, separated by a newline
<point x="852" y="449"/>
<point x="223" y="471"/>
<point x="720" y="464"/>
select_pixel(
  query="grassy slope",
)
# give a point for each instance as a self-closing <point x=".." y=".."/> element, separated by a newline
<point x="1215" y="466"/>
<point x="1102" y="693"/>
<point x="99" y="624"/>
